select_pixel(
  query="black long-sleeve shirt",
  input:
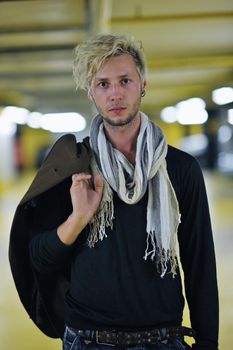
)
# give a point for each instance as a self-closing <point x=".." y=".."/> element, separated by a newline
<point x="112" y="286"/>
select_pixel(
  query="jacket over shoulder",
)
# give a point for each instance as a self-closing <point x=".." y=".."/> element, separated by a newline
<point x="44" y="206"/>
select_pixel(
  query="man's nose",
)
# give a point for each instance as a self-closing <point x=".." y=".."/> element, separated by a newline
<point x="116" y="92"/>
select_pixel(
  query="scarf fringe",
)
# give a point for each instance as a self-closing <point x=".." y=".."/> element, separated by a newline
<point x="161" y="257"/>
<point x="102" y="219"/>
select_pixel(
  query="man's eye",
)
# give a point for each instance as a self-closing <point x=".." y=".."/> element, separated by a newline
<point x="103" y="84"/>
<point x="125" y="81"/>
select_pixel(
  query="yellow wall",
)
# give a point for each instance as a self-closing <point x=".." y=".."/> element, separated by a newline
<point x="175" y="132"/>
<point x="32" y="141"/>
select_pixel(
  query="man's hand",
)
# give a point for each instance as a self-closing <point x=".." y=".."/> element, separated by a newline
<point x="85" y="201"/>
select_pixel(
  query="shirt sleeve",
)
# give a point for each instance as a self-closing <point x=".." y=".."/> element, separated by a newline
<point x="48" y="253"/>
<point x="198" y="259"/>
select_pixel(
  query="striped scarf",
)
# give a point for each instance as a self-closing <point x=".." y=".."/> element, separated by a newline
<point x="130" y="182"/>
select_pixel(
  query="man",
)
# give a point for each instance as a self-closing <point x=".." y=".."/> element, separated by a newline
<point x="95" y="240"/>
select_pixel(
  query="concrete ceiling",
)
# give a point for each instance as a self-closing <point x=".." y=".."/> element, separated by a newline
<point x="188" y="45"/>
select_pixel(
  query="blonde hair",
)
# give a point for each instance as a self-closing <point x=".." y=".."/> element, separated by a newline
<point x="90" y="55"/>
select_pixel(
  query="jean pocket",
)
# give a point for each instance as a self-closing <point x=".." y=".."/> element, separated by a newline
<point x="70" y="339"/>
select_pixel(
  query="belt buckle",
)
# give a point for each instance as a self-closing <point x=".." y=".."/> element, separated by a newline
<point x="100" y="343"/>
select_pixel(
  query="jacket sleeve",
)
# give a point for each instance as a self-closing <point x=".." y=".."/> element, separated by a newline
<point x="198" y="259"/>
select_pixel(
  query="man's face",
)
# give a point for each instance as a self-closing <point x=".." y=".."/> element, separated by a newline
<point x="116" y="90"/>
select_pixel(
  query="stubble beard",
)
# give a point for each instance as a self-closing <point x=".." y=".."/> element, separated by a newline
<point x="121" y="122"/>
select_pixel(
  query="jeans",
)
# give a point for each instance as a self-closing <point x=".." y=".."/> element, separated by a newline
<point x="72" y="341"/>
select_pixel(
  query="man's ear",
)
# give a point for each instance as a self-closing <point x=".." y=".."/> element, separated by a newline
<point x="144" y="84"/>
<point x="143" y="88"/>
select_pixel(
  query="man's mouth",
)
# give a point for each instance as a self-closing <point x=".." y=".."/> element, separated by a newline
<point x="116" y="109"/>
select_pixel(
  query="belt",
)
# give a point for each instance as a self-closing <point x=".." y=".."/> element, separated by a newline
<point x="121" y="338"/>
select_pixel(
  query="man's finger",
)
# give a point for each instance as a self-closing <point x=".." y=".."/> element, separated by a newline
<point x="98" y="183"/>
<point x="80" y="176"/>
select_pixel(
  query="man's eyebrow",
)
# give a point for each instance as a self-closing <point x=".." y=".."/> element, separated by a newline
<point x="120" y="77"/>
<point x="101" y="78"/>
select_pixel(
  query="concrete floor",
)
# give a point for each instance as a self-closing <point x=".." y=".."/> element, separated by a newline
<point x="17" y="330"/>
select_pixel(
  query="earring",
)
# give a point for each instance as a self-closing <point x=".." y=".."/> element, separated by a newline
<point x="143" y="93"/>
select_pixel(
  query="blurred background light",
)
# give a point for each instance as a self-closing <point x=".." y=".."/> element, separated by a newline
<point x="15" y="114"/>
<point x="187" y="112"/>
<point x="191" y="111"/>
<point x="169" y="114"/>
<point x="7" y="127"/>
<point x="195" y="102"/>
<point x="230" y="116"/>
<point x="192" y="117"/>
<point x="224" y="133"/>
<point x="223" y="95"/>
<point x="34" y="120"/>
<point x="63" y="122"/>
<point x="225" y="161"/>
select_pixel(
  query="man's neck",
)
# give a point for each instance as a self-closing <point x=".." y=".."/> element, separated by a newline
<point x="124" y="138"/>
